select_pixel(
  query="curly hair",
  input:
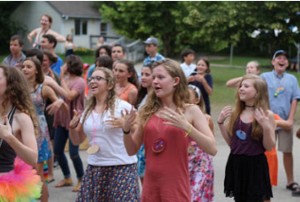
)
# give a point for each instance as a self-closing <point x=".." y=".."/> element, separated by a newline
<point x="261" y="101"/>
<point x="111" y="96"/>
<point x="180" y="94"/>
<point x="18" y="94"/>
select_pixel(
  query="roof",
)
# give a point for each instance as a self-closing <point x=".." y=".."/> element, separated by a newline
<point x="76" y="9"/>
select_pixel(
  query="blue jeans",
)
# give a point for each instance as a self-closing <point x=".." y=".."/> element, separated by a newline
<point x="60" y="138"/>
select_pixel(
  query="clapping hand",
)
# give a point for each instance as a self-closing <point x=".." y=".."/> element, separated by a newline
<point x="5" y="128"/>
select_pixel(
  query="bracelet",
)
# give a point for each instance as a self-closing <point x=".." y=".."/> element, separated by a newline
<point x="126" y="132"/>
<point x="220" y="122"/>
<point x="189" y="131"/>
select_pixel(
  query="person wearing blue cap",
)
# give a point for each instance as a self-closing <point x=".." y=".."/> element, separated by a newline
<point x="151" y="46"/>
<point x="284" y="94"/>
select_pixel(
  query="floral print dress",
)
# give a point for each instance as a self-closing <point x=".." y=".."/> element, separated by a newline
<point x="201" y="174"/>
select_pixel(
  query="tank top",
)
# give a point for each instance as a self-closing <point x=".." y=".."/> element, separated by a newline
<point x="124" y="95"/>
<point x="166" y="174"/>
<point x="243" y="143"/>
<point x="7" y="154"/>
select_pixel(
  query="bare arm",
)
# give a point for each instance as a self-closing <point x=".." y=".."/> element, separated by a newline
<point x="54" y="85"/>
<point x="224" y="114"/>
<point x="33" y="33"/>
<point x="195" y="124"/>
<point x="203" y="81"/>
<point x="267" y="122"/>
<point x="132" y="96"/>
<point x="47" y="92"/>
<point x="59" y="37"/>
<point x="134" y="139"/>
<point x="23" y="142"/>
<point x="234" y="82"/>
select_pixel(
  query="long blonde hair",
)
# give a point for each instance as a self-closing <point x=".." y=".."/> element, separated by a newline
<point x="111" y="95"/>
<point x="180" y="95"/>
<point x="261" y="101"/>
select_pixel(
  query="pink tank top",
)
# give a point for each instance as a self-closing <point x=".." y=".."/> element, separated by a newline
<point x="166" y="174"/>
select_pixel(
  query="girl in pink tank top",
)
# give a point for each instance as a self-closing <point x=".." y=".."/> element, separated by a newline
<point x="163" y="125"/>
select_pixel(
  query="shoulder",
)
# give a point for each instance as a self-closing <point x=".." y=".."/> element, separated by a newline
<point x="122" y="104"/>
<point x="191" y="108"/>
<point x="22" y="118"/>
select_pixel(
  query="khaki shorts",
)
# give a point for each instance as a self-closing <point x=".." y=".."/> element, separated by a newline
<point x="285" y="140"/>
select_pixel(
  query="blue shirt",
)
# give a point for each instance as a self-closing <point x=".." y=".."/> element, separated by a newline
<point x="91" y="70"/>
<point x="56" y="66"/>
<point x="282" y="91"/>
<point x="149" y="60"/>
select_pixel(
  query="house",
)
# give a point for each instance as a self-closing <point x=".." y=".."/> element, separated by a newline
<point x="79" y="18"/>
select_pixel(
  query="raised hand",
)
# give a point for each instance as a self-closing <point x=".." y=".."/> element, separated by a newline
<point x="224" y="114"/>
<point x="75" y="120"/>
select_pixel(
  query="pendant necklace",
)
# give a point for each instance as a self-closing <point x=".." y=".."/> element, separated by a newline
<point x="94" y="148"/>
<point x="241" y="133"/>
<point x="279" y="87"/>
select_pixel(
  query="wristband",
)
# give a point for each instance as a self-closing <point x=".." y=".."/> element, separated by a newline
<point x="188" y="132"/>
<point x="126" y="132"/>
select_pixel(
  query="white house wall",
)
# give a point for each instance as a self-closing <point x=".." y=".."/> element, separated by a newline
<point x="31" y="18"/>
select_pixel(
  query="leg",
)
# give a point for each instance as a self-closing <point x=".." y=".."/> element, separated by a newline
<point x="60" y="139"/>
<point x="50" y="169"/>
<point x="77" y="163"/>
<point x="288" y="166"/>
<point x="45" y="192"/>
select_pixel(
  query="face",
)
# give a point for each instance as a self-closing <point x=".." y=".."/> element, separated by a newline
<point x="46" y="62"/>
<point x="121" y="72"/>
<point x="102" y="52"/>
<point x="117" y="53"/>
<point x="146" y="80"/>
<point x="280" y="63"/>
<point x="15" y="47"/>
<point x="29" y="69"/>
<point x="252" y="68"/>
<point x="150" y="49"/>
<point x="201" y="67"/>
<point x="163" y="84"/>
<point x="45" y="44"/>
<point x="189" y="58"/>
<point x="98" y="83"/>
<point x="247" y="91"/>
<point x="45" y="23"/>
<point x="193" y="98"/>
<point x="3" y="83"/>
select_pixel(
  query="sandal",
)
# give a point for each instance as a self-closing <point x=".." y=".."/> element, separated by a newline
<point x="296" y="192"/>
<point x="76" y="188"/>
<point x="293" y="186"/>
<point x="64" y="183"/>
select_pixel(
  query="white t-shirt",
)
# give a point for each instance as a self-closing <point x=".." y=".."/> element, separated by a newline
<point x="188" y="69"/>
<point x="110" y="140"/>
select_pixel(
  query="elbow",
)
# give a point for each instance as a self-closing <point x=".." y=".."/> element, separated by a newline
<point x="213" y="151"/>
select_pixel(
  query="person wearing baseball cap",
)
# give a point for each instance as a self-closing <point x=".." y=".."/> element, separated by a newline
<point x="284" y="94"/>
<point x="151" y="46"/>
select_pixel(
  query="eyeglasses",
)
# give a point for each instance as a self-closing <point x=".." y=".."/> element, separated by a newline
<point x="97" y="78"/>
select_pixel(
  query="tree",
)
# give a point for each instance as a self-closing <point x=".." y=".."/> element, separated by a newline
<point x="143" y="19"/>
<point x="7" y="27"/>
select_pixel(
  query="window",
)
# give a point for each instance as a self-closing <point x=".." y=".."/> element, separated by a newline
<point x="81" y="27"/>
<point x="103" y="29"/>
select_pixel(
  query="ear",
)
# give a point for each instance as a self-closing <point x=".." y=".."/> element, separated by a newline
<point x="176" y="81"/>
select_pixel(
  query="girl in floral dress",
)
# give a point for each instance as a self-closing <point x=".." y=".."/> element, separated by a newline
<point x="200" y="163"/>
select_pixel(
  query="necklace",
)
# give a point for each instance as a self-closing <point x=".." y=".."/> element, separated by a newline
<point x="279" y="86"/>
<point x="94" y="148"/>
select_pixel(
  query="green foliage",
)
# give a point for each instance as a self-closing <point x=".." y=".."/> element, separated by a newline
<point x="8" y="28"/>
<point x="84" y="51"/>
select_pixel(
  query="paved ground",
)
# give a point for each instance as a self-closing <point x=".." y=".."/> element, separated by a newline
<point x="280" y="193"/>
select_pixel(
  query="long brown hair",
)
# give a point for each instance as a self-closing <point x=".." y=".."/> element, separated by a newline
<point x="111" y="95"/>
<point x="261" y="101"/>
<point x="180" y="95"/>
<point x="17" y="92"/>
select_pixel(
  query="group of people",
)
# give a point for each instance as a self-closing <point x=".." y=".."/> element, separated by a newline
<point x="151" y="137"/>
